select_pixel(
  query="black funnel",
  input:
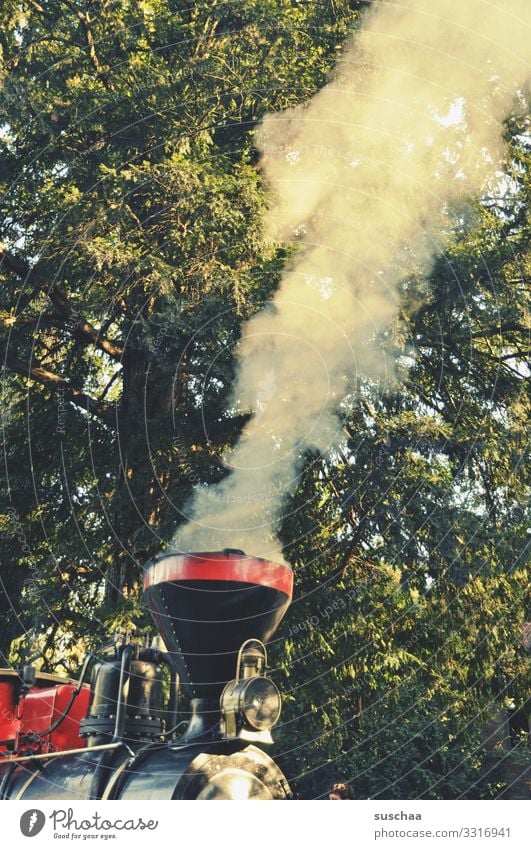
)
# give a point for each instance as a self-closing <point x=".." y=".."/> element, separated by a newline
<point x="206" y="605"/>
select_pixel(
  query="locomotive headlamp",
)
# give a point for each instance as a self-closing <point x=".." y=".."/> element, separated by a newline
<point x="251" y="703"/>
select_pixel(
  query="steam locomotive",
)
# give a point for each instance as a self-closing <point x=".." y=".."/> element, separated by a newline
<point x="113" y="734"/>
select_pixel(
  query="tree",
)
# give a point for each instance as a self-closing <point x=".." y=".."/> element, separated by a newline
<point x="131" y="253"/>
<point x="411" y="565"/>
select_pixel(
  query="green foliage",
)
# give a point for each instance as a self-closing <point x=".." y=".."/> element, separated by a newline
<point x="411" y="545"/>
<point x="130" y="255"/>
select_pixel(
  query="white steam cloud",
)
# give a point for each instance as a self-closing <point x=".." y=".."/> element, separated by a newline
<point x="364" y="172"/>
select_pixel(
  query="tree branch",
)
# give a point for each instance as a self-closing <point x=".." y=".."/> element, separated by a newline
<point x="36" y="6"/>
<point x="115" y="376"/>
<point x="91" y="46"/>
<point x="78" y="324"/>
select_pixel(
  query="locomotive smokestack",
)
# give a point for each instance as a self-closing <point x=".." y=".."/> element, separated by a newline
<point x="214" y="611"/>
<point x="206" y="605"/>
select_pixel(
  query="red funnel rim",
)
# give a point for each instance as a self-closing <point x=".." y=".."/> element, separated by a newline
<point x="219" y="566"/>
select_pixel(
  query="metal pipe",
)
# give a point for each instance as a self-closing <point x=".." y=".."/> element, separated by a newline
<point x="62" y="754"/>
<point x="5" y="779"/>
<point x="100" y="777"/>
<point x="173" y="702"/>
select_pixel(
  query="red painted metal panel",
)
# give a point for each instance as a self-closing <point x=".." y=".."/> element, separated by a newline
<point x="38" y="711"/>
<point x="43" y="707"/>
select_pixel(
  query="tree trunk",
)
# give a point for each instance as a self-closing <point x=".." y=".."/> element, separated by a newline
<point x="144" y="429"/>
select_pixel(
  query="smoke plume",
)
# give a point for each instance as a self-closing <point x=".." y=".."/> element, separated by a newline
<point x="364" y="173"/>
